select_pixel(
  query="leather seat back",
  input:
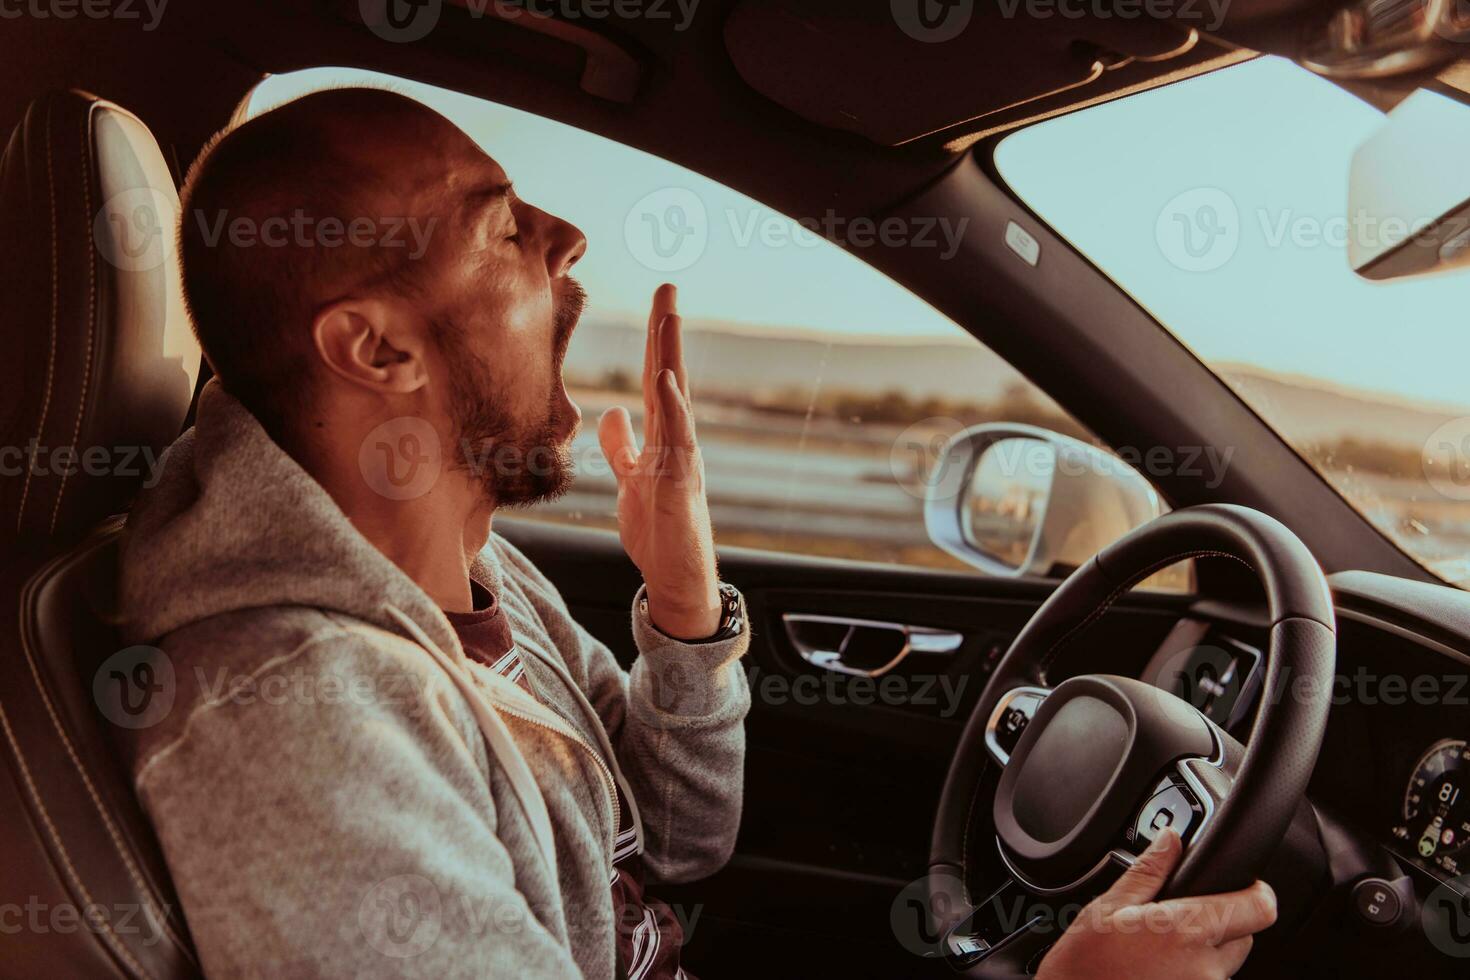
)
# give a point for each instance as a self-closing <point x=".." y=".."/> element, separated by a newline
<point x="100" y="371"/>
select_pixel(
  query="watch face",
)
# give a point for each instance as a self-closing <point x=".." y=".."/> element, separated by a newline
<point x="729" y="611"/>
<point x="732" y="622"/>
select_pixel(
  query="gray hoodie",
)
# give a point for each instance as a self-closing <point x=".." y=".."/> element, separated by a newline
<point x="339" y="790"/>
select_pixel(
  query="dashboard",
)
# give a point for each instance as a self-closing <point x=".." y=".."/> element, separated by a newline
<point x="1390" y="793"/>
<point x="1398" y="737"/>
<point x="1396" y="759"/>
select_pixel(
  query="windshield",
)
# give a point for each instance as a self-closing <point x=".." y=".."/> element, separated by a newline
<point x="1220" y="204"/>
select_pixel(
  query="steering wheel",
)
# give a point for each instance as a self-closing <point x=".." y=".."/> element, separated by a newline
<point x="1091" y="767"/>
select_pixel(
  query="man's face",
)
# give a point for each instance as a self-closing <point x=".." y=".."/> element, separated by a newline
<point x="501" y="309"/>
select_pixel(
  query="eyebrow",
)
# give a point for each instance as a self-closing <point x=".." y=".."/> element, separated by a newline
<point x="487" y="195"/>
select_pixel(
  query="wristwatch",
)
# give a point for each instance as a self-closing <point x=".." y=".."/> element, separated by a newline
<point x="732" y="616"/>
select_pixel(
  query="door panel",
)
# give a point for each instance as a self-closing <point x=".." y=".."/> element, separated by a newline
<point x="843" y="772"/>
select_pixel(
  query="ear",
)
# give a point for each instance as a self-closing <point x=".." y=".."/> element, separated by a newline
<point x="372" y="344"/>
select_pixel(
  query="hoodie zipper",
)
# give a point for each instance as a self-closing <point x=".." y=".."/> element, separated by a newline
<point x="562" y="728"/>
<point x="609" y="756"/>
<point x="608" y="782"/>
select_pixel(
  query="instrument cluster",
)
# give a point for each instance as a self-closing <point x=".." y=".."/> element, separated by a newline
<point x="1435" y="828"/>
<point x="1396" y="760"/>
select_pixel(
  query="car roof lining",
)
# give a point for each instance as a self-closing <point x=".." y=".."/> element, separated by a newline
<point x="1035" y="113"/>
<point x="873" y="73"/>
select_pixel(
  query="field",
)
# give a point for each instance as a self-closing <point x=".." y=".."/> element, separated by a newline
<point x="820" y="446"/>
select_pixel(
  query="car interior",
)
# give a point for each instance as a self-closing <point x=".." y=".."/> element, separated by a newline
<point x="1293" y="701"/>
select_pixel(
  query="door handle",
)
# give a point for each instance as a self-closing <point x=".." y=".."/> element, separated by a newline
<point x="862" y="647"/>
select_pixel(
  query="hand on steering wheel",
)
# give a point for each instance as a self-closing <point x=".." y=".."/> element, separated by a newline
<point x="1124" y="932"/>
<point x="1071" y="797"/>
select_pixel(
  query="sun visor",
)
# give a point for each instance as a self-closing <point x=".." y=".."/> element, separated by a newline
<point x="903" y="70"/>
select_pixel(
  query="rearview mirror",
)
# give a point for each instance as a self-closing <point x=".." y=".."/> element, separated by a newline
<point x="1409" y="191"/>
<point x="1020" y="500"/>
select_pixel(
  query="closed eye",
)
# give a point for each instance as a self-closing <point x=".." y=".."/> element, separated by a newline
<point x="490" y="205"/>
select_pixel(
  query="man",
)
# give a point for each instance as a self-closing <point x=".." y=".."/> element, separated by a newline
<point x="391" y="749"/>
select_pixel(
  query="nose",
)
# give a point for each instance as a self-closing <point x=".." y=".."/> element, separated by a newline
<point x="565" y="244"/>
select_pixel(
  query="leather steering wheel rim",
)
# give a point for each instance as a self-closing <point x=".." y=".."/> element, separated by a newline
<point x="1271" y="777"/>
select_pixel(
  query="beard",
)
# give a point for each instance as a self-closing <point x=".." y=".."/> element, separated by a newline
<point x="519" y="462"/>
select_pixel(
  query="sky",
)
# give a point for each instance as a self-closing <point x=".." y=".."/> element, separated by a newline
<point x="1123" y="181"/>
<point x="1255" y="157"/>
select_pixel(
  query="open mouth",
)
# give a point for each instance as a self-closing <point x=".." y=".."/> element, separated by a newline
<point x="569" y="307"/>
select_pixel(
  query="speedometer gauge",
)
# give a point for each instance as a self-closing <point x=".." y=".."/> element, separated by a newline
<point x="1437" y="805"/>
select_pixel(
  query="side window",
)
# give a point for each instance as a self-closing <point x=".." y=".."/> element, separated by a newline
<point x="823" y="390"/>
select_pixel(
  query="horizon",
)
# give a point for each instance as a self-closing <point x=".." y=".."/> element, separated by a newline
<point x="1224" y="369"/>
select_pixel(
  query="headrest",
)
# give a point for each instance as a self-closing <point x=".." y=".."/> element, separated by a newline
<point x="100" y="364"/>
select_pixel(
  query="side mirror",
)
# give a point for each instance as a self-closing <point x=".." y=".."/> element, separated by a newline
<point x="1408" y="190"/>
<point x="1019" y="500"/>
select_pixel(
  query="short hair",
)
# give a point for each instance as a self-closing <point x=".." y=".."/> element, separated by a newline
<point x="252" y="303"/>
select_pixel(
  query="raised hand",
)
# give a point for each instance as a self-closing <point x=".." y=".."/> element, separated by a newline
<point x="663" y="517"/>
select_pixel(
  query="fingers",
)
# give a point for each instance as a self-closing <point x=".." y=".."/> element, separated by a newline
<point x="671" y="351"/>
<point x="1218" y="920"/>
<point x="665" y="305"/>
<point x="615" y="435"/>
<point x="1242" y="913"/>
<point x="677" y="419"/>
<point x="665" y="300"/>
<point x="1143" y="882"/>
<point x="1231" y="956"/>
<point x="650" y="371"/>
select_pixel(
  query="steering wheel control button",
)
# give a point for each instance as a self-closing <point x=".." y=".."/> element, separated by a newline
<point x="1012" y="724"/>
<point x="1173" y="806"/>
<point x="1009" y="720"/>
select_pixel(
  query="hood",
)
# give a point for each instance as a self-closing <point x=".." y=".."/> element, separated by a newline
<point x="234" y="523"/>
